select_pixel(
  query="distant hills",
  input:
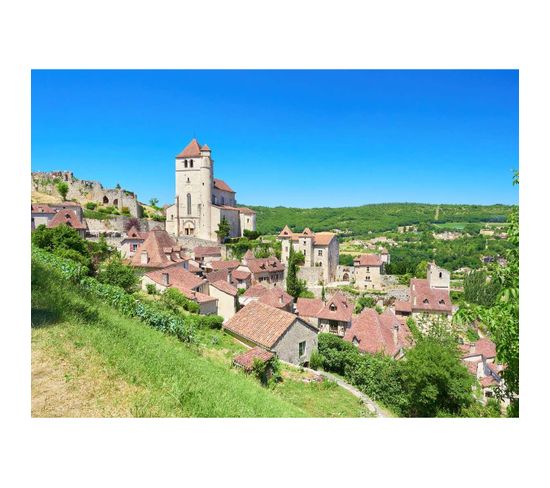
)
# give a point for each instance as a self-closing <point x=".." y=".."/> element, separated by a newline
<point x="374" y="217"/>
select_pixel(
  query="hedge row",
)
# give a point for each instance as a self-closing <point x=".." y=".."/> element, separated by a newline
<point x="182" y="326"/>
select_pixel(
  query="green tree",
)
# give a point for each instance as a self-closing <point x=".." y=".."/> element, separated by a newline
<point x="115" y="272"/>
<point x="421" y="270"/>
<point x="481" y="289"/>
<point x="62" y="189"/>
<point x="294" y="286"/>
<point x="364" y="302"/>
<point x="153" y="202"/>
<point x="223" y="229"/>
<point x="63" y="241"/>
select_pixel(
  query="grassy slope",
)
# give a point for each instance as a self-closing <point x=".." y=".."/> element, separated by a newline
<point x="90" y="361"/>
<point x="374" y="217"/>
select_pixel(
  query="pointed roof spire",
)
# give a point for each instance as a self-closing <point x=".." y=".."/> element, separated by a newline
<point x="205" y="148"/>
<point x="192" y="150"/>
<point x="286" y="232"/>
<point x="307" y="232"/>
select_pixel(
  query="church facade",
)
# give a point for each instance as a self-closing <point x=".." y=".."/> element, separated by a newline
<point x="202" y="201"/>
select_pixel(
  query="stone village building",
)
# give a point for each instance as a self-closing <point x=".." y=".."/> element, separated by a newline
<point x="334" y="315"/>
<point x="202" y="200"/>
<point x="320" y="250"/>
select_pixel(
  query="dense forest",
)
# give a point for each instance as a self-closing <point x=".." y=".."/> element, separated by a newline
<point x="358" y="221"/>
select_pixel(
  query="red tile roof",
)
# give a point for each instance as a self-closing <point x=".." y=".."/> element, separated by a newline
<point x="375" y="333"/>
<point x="240" y="275"/>
<point x="220" y="274"/>
<point x="401" y="306"/>
<point x="205" y="148"/>
<point x="66" y="217"/>
<point x="246" y="210"/>
<point x="192" y="150"/>
<point x="216" y="265"/>
<point x="203" y="251"/>
<point x="177" y="278"/>
<point x="368" y="260"/>
<point x="323" y="238"/>
<point x="248" y="254"/>
<point x="42" y="209"/>
<point x="336" y="308"/>
<point x="486" y="347"/>
<point x="225" y="287"/>
<point x="286" y="232"/>
<point x="222" y="185"/>
<point x="276" y="297"/>
<point x="309" y="307"/>
<point x="255" y="291"/>
<point x="487" y="381"/>
<point x="319" y="238"/>
<point x="261" y="324"/>
<point x="429" y="299"/>
<point x="265" y="265"/>
<point x="155" y="244"/>
<point x="197" y="296"/>
<point x="133" y="233"/>
<point x="246" y="359"/>
<point x="495" y="368"/>
<point x="472" y="366"/>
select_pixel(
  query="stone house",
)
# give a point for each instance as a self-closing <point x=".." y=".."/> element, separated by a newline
<point x="333" y="316"/>
<point x="274" y="330"/>
<point x="202" y="201"/>
<point x="269" y="272"/>
<point x="320" y="250"/>
<point x="191" y="285"/>
<point x="227" y="296"/>
<point x="69" y="218"/>
<point x="368" y="271"/>
<point x="219" y="264"/>
<point x="207" y="254"/>
<point x="41" y="215"/>
<point x="372" y="333"/>
<point x="275" y="297"/>
<point x="131" y="241"/>
<point x="158" y="250"/>
<point x="241" y="278"/>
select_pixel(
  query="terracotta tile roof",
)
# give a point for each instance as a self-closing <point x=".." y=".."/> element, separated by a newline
<point x="240" y="274"/>
<point x="197" y="296"/>
<point x="260" y="323"/>
<point x="42" y="209"/>
<point x="192" y="150"/>
<point x="429" y="299"/>
<point x="323" y="238"/>
<point x="337" y="308"/>
<point x="155" y="244"/>
<point x="276" y="297"/>
<point x="225" y="287"/>
<point x="217" y="265"/>
<point x="220" y="274"/>
<point x="193" y="268"/>
<point x="487" y="381"/>
<point x="177" y="278"/>
<point x="205" y="148"/>
<point x="375" y="333"/>
<point x="66" y="217"/>
<point x="246" y="210"/>
<point x="286" y="232"/>
<point x="133" y="233"/>
<point x="309" y="307"/>
<point x="265" y="265"/>
<point x="472" y="366"/>
<point x="222" y="185"/>
<point x="401" y="306"/>
<point x="495" y="368"/>
<point x="246" y="359"/>
<point x="368" y="260"/>
<point x="486" y="347"/>
<point x="255" y="291"/>
<point x="201" y="252"/>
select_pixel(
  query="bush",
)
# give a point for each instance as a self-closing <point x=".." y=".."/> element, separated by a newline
<point x="174" y="299"/>
<point x="115" y="272"/>
<point x="125" y="211"/>
<point x="316" y="360"/>
<point x="91" y="205"/>
<point x="268" y="372"/>
<point x="251" y="235"/>
<point x="151" y="289"/>
<point x="364" y="302"/>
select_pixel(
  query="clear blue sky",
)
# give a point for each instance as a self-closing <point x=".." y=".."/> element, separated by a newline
<point x="292" y="138"/>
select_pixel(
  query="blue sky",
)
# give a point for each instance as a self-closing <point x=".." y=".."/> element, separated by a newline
<point x="291" y="138"/>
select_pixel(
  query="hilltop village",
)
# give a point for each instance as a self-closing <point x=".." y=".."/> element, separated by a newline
<point x="186" y="247"/>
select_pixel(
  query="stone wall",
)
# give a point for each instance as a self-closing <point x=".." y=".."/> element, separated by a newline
<point x="116" y="225"/>
<point x="312" y="274"/>
<point x="86" y="191"/>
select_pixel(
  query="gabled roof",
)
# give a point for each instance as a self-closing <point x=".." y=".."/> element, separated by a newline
<point x="203" y="251"/>
<point x="217" y="265"/>
<point x="265" y="265"/>
<point x="262" y="324"/>
<point x="246" y="359"/>
<point x="375" y="333"/>
<point x="482" y="347"/>
<point x="240" y="274"/>
<point x="309" y="307"/>
<point x="133" y="233"/>
<point x="255" y="291"/>
<point x="246" y="211"/>
<point x="205" y="148"/>
<point x="336" y="308"/>
<point x="156" y="244"/>
<point x="249" y="255"/>
<point x="178" y="277"/>
<point x="192" y="150"/>
<point x="66" y="217"/>
<point x="197" y="296"/>
<point x="276" y="297"/>
<point x="401" y="306"/>
<point x="220" y="274"/>
<point x="429" y="299"/>
<point x="222" y="185"/>
<point x="323" y="238"/>
<point x="225" y="287"/>
<point x="286" y="232"/>
<point x="42" y="209"/>
<point x="319" y="238"/>
<point x="368" y="260"/>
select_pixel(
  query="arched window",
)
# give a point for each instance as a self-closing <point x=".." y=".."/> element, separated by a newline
<point x="115" y="201"/>
<point x="191" y="163"/>
<point x="189" y="204"/>
<point x="185" y="164"/>
<point x="105" y="200"/>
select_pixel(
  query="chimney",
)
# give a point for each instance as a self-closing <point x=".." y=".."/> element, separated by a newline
<point x="144" y="257"/>
<point x="281" y="299"/>
<point x="395" y="332"/>
<point x="414" y="300"/>
<point x="229" y="277"/>
<point x="165" y="279"/>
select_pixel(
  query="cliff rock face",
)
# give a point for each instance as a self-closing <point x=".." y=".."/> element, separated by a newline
<point x="85" y="191"/>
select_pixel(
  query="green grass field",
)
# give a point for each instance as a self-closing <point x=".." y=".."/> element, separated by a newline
<point x="88" y="360"/>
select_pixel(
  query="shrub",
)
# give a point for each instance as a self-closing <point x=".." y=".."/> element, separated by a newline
<point x="91" y="205"/>
<point x="268" y="372"/>
<point x="316" y="360"/>
<point x="132" y="222"/>
<point x="364" y="302"/>
<point x="174" y="299"/>
<point x="125" y="211"/>
<point x="63" y="189"/>
<point x="151" y="289"/>
<point x="251" y="235"/>
<point x="115" y="272"/>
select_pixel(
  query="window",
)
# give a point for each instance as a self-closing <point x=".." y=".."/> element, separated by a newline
<point x="190" y="163"/>
<point x="133" y="247"/>
<point x="320" y="252"/>
<point x="441" y="302"/>
<point x="301" y="348"/>
<point x="440" y="274"/>
<point x="189" y="204"/>
<point x="368" y="269"/>
<point x="188" y="180"/>
<point x="332" y="307"/>
<point x="185" y="164"/>
<point x="425" y="300"/>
